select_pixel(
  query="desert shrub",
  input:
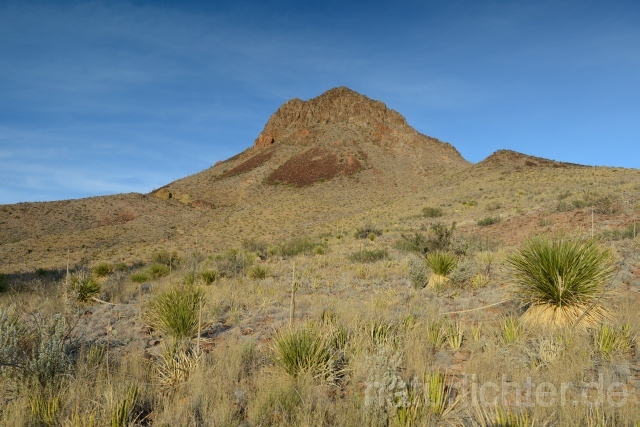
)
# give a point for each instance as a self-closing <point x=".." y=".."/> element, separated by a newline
<point x="579" y="204"/>
<point x="103" y="269"/>
<point x="430" y="212"/>
<point x="564" y="195"/>
<point x="465" y="270"/>
<point x="385" y="392"/>
<point x="257" y="247"/>
<point x="563" y="206"/>
<point x="157" y="270"/>
<point x="417" y="272"/>
<point x="258" y="272"/>
<point x="83" y="288"/>
<point x="490" y="220"/>
<point x="300" y="352"/>
<point x="440" y="239"/>
<point x="366" y="231"/>
<point x="176" y="311"/>
<point x="441" y="265"/>
<point x="629" y="232"/>
<point x="209" y="276"/>
<point x="372" y="255"/>
<point x="140" y="277"/>
<point x="167" y="258"/>
<point x="606" y="206"/>
<point x="561" y="280"/>
<point x="233" y="262"/>
<point x="417" y="243"/>
<point x="297" y="246"/>
<point x="34" y="352"/>
<point x="442" y="236"/>
<point x="493" y="206"/>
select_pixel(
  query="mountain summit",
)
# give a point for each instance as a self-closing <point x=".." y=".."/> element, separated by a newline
<point x="337" y="106"/>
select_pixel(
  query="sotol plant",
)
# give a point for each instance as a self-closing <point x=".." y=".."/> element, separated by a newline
<point x="561" y="281"/>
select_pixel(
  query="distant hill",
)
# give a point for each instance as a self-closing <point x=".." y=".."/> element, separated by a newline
<point x="325" y="165"/>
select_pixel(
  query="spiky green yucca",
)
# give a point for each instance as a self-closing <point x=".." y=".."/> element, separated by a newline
<point x="302" y="352"/>
<point x="561" y="281"/>
<point x="176" y="312"/>
<point x="441" y="264"/>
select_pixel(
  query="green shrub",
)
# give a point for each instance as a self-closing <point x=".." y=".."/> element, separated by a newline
<point x="259" y="248"/>
<point x="369" y="255"/>
<point x="176" y="311"/>
<point x="490" y="220"/>
<point x="167" y="258"/>
<point x="258" y="272"/>
<point x="301" y="352"/>
<point x="139" y="277"/>
<point x="442" y="236"/>
<point x="579" y="204"/>
<point x="303" y="245"/>
<point x="417" y="243"/>
<point x="157" y="270"/>
<point x="493" y="206"/>
<point x="430" y="212"/>
<point x="366" y="232"/>
<point x="561" y="280"/>
<point x="209" y="276"/>
<point x="103" y="269"/>
<point x="563" y="207"/>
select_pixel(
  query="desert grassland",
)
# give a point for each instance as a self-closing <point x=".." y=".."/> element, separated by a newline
<point x="376" y="336"/>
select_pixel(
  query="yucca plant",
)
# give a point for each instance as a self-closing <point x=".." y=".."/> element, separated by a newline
<point x="560" y="281"/>
<point x="441" y="264"/>
<point x="83" y="288"/>
<point x="300" y="352"/>
<point x="176" y="311"/>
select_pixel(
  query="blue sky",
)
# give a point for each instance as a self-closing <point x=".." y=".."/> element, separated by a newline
<point x="117" y="96"/>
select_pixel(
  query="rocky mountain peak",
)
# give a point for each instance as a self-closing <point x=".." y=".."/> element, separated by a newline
<point x="339" y="105"/>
